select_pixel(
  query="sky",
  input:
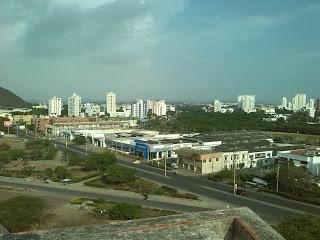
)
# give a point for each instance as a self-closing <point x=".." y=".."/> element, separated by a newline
<point x="195" y="50"/>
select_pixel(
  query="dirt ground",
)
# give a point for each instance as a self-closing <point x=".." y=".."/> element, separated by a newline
<point x="60" y="212"/>
<point x="39" y="165"/>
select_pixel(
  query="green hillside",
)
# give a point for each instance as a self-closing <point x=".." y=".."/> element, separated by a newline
<point x="9" y="100"/>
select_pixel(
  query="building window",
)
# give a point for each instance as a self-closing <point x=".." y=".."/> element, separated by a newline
<point x="204" y="161"/>
<point x="210" y="160"/>
<point x="217" y="159"/>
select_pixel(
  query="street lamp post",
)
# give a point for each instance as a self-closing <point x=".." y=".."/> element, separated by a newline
<point x="165" y="165"/>
<point x="278" y="177"/>
<point x="86" y="145"/>
<point x="234" y="177"/>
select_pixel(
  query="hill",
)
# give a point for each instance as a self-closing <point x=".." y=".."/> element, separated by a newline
<point x="10" y="100"/>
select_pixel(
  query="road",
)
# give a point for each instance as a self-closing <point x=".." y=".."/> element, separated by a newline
<point x="269" y="207"/>
<point x="74" y="192"/>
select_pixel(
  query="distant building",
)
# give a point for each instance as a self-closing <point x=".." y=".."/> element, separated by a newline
<point x="311" y="104"/>
<point x="55" y="107"/>
<point x="40" y="106"/>
<point x="74" y="105"/>
<point x="284" y="103"/>
<point x="312" y="112"/>
<point x="289" y="106"/>
<point x="139" y="109"/>
<point x="158" y="108"/>
<point x="318" y="104"/>
<point x="246" y="103"/>
<point x="91" y="109"/>
<point x="171" y="108"/>
<point x="299" y="101"/>
<point x="217" y="106"/>
<point x="111" y="103"/>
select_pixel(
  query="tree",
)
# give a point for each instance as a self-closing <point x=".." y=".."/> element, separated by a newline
<point x="21" y="213"/>
<point x="117" y="174"/>
<point x="300" y="228"/>
<point x="17" y="153"/>
<point x="48" y="172"/>
<point x="62" y="172"/>
<point x="124" y="211"/>
<point x="100" y="161"/>
<point x="27" y="171"/>
<point x="5" y="157"/>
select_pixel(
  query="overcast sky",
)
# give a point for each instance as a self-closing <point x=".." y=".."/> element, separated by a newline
<point x="173" y="49"/>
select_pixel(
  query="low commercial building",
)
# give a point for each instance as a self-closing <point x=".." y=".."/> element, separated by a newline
<point x="308" y="158"/>
<point x="200" y="161"/>
<point x="239" y="158"/>
<point x="260" y="158"/>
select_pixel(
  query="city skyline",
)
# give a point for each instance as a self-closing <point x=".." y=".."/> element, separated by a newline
<point x="177" y="50"/>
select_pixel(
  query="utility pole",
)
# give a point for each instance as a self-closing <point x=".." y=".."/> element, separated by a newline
<point x="86" y="145"/>
<point x="234" y="176"/>
<point x="278" y="177"/>
<point x="165" y="165"/>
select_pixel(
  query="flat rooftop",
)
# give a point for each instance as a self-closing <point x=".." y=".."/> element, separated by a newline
<point x="237" y="223"/>
<point x="232" y="136"/>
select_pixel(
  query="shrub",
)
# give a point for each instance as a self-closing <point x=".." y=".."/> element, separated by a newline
<point x="100" y="161"/>
<point x="169" y="190"/>
<point x="62" y="172"/>
<point x="17" y="153"/>
<point x="75" y="160"/>
<point x="27" y="171"/>
<point x="124" y="211"/>
<point x="21" y="213"/>
<point x="300" y="228"/>
<point x="92" y="175"/>
<point x="48" y="172"/>
<point x="117" y="174"/>
<point x="95" y="183"/>
<point x="5" y="157"/>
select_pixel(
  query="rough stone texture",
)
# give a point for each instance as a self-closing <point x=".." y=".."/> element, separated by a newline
<point x="238" y="223"/>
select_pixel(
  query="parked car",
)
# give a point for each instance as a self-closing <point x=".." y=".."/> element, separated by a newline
<point x="136" y="162"/>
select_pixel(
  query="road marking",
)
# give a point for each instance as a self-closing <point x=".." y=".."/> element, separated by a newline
<point x="255" y="200"/>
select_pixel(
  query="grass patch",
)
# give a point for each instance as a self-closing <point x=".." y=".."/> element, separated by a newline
<point x="140" y="185"/>
<point x="120" y="211"/>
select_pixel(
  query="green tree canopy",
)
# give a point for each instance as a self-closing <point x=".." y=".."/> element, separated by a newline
<point x="124" y="211"/>
<point x="306" y="227"/>
<point x="62" y="173"/>
<point x="100" y="161"/>
<point x="117" y="174"/>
